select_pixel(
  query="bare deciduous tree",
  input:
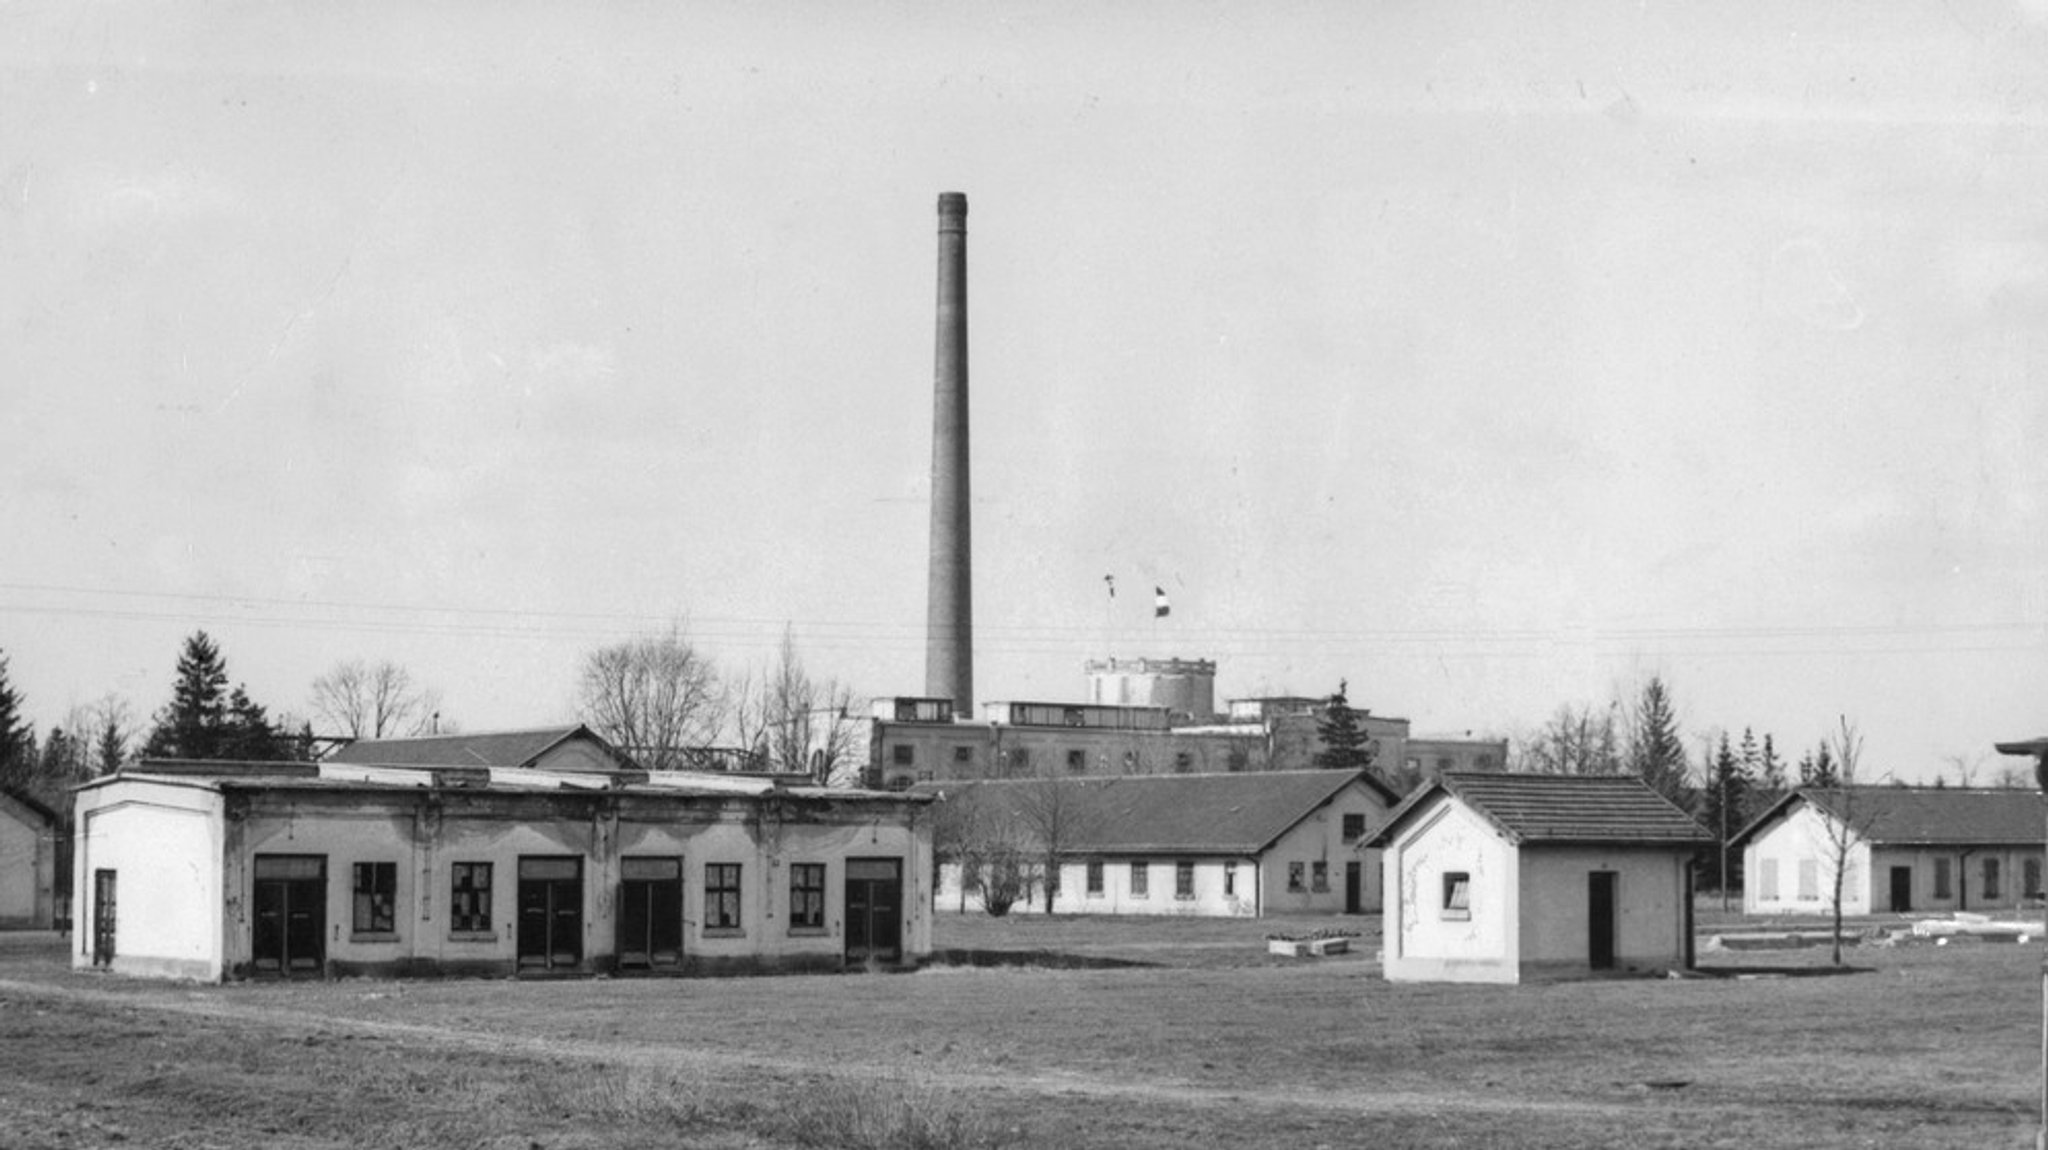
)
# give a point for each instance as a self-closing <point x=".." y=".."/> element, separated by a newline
<point x="656" y="698"/>
<point x="1057" y="815"/>
<point x="373" y="701"/>
<point x="1847" y="820"/>
<point x="1576" y="741"/>
<point x="797" y="724"/>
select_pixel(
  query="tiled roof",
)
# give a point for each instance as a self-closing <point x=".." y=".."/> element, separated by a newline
<point x="1932" y="816"/>
<point x="491" y="749"/>
<point x="30" y="802"/>
<point x="1238" y="814"/>
<point x="1536" y="809"/>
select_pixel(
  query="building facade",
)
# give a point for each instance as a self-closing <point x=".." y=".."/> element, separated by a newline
<point x="29" y="882"/>
<point x="1234" y="845"/>
<point x="1903" y="850"/>
<point x="213" y="871"/>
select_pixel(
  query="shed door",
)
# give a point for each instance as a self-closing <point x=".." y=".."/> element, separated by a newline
<point x="1600" y="919"/>
<point x="874" y="910"/>
<point x="1902" y="889"/>
<point x="550" y="913"/>
<point x="1354" y="887"/>
<point x="103" y="918"/>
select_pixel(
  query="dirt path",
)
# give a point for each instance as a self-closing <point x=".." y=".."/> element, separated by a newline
<point x="666" y="1058"/>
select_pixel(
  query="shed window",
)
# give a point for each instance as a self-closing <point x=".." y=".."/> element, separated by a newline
<point x="721" y="896"/>
<point x="1296" y="877"/>
<point x="807" y="896"/>
<point x="963" y="754"/>
<point x="376" y="898"/>
<point x="1319" y="876"/>
<point x="1095" y="877"/>
<point x="469" y="898"/>
<point x="1991" y="877"/>
<point x="1809" y="879"/>
<point x="1767" y="880"/>
<point x="1184" y="880"/>
<point x="1141" y="879"/>
<point x="1077" y="762"/>
<point x="1943" y="885"/>
<point x="903" y="754"/>
<point x="1457" y="894"/>
<point x="2030" y="873"/>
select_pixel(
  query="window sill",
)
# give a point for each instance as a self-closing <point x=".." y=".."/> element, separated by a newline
<point x="723" y="932"/>
<point x="1183" y="898"/>
<point x="379" y="936"/>
<point x="798" y="932"/>
<point x="472" y="936"/>
<point x="1456" y="916"/>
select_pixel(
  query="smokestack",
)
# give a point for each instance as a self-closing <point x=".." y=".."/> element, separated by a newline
<point x="949" y="612"/>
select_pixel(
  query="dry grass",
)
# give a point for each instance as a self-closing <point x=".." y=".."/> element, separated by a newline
<point x="1924" y="1047"/>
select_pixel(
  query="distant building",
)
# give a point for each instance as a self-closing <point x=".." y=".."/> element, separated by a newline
<point x="28" y="862"/>
<point x="1227" y="845"/>
<point x="1143" y="717"/>
<point x="1509" y="878"/>
<point x="520" y="853"/>
<point x="1909" y="849"/>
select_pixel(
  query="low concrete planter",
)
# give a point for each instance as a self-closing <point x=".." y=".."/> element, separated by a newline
<point x="1307" y="947"/>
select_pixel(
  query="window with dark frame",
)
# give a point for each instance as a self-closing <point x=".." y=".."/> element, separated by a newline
<point x="1319" y="876"/>
<point x="721" y="896"/>
<point x="1095" y="876"/>
<point x="963" y="754"/>
<point x="1297" y="877"/>
<point x="1184" y="879"/>
<point x="1991" y="879"/>
<point x="1141" y="879"/>
<point x="807" y="896"/>
<point x="1457" y="894"/>
<point x="1354" y="828"/>
<point x="903" y="754"/>
<point x="1077" y="762"/>
<point x="376" y="898"/>
<point x="469" y="898"/>
<point x="2030" y="874"/>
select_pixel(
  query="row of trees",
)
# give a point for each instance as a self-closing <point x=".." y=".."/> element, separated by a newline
<point x="668" y="704"/>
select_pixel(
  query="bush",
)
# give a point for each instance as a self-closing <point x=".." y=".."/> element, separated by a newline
<point x="870" y="1115"/>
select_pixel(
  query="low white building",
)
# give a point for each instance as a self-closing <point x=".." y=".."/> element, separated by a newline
<point x="1905" y="849"/>
<point x="229" y="870"/>
<point x="28" y="863"/>
<point x="1508" y="878"/>
<point x="1225" y="844"/>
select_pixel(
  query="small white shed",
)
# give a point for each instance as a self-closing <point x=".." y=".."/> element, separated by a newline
<point x="1510" y="878"/>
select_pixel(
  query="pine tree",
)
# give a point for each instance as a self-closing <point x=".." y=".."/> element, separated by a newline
<point x="17" y="737"/>
<point x="1725" y="800"/>
<point x="248" y="734"/>
<point x="1655" y="753"/>
<point x="1818" y="769"/>
<point x="1346" y="745"/>
<point x="194" y="724"/>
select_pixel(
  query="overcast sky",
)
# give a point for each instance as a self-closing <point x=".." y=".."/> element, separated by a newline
<point x="1489" y="360"/>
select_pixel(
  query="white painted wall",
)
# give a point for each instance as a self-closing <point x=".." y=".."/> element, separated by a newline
<point x="164" y="843"/>
<point x="1423" y="941"/>
<point x="1118" y="895"/>
<point x="1800" y="841"/>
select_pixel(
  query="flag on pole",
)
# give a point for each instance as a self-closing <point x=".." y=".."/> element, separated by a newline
<point x="1110" y="582"/>
<point x="1160" y="607"/>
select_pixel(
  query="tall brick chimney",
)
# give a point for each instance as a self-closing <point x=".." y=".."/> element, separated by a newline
<point x="949" y="611"/>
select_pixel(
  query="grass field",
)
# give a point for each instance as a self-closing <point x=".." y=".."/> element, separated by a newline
<point x="1177" y="1033"/>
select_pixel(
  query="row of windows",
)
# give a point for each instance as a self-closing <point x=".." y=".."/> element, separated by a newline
<point x="374" y="889"/>
<point x="1141" y="879"/>
<point x="1991" y="876"/>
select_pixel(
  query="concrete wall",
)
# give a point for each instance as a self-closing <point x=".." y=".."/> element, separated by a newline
<point x="28" y="868"/>
<point x="1423" y="940"/>
<point x="1319" y="839"/>
<point x="1119" y="894"/>
<point x="163" y="842"/>
<point x="1649" y="909"/>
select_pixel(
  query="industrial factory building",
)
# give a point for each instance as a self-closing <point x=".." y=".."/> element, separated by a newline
<point x="1143" y="717"/>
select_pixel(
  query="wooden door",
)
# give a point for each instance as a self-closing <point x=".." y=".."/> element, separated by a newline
<point x="287" y="930"/>
<point x="1354" y="887"/>
<point x="1902" y="889"/>
<point x="550" y="913"/>
<point x="874" y="911"/>
<point x="1600" y="889"/>
<point x="650" y="913"/>
<point x="103" y="912"/>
